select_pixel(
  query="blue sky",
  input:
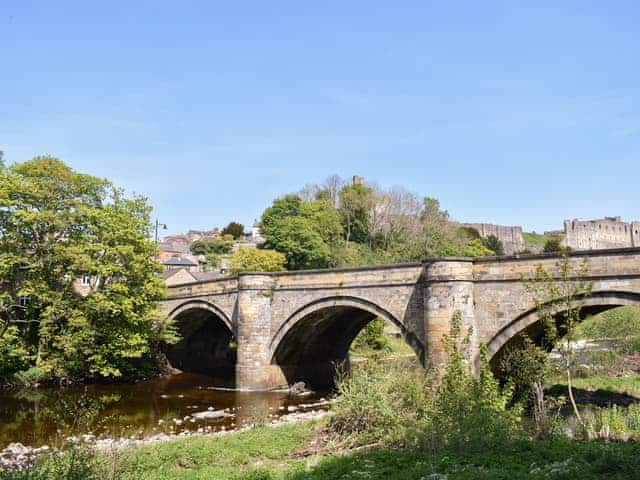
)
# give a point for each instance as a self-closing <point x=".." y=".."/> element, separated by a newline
<point x="508" y="113"/>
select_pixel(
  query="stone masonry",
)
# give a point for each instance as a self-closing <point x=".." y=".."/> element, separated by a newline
<point x="511" y="237"/>
<point x="296" y="326"/>
<point x="608" y="232"/>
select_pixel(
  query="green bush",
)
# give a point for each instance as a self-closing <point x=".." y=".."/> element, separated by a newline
<point x="372" y="336"/>
<point x="398" y="404"/>
<point x="469" y="412"/>
<point x="13" y="355"/>
<point x="613" y="422"/>
<point x="522" y="366"/>
<point x="378" y="402"/>
<point x="32" y="376"/>
<point x="77" y="463"/>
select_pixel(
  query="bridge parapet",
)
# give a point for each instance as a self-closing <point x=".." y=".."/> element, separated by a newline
<point x="292" y="322"/>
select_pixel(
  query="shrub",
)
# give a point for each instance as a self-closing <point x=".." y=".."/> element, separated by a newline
<point x="469" y="412"/>
<point x="32" y="376"/>
<point x="401" y="405"/>
<point x="522" y="366"/>
<point x="13" y="355"/>
<point x="378" y="402"/>
<point x="372" y="336"/>
<point x="77" y="463"/>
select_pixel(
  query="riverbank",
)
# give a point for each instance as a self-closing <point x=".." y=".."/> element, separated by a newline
<point x="298" y="452"/>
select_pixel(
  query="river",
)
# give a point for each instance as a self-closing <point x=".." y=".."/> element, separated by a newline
<point x="45" y="416"/>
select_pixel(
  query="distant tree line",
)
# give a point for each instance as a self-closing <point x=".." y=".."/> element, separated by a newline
<point x="337" y="224"/>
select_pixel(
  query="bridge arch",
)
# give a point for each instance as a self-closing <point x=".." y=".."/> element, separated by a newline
<point x="315" y="339"/>
<point x="598" y="301"/>
<point x="206" y="341"/>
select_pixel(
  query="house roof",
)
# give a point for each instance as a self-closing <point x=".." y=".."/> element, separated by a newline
<point x="173" y="247"/>
<point x="180" y="262"/>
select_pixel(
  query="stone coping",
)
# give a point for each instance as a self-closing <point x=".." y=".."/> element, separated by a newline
<point x="505" y="258"/>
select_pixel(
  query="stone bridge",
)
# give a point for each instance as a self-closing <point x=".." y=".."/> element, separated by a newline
<point x="295" y="326"/>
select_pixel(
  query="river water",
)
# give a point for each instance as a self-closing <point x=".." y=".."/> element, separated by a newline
<point x="45" y="416"/>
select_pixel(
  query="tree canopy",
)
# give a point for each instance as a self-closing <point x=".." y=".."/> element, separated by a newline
<point x="257" y="260"/>
<point x="58" y="226"/>
<point x="235" y="229"/>
<point x="338" y="224"/>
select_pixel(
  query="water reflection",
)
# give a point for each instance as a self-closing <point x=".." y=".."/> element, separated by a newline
<point x="168" y="404"/>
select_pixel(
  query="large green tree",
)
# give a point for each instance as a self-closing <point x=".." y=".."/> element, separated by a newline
<point x="235" y="229"/>
<point x="356" y="201"/>
<point x="304" y="231"/>
<point x="56" y="227"/>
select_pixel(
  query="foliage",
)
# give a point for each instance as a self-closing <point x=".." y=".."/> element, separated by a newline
<point x="395" y="405"/>
<point x="59" y="225"/>
<point x="494" y="244"/>
<point x="355" y="202"/>
<point x="476" y="248"/>
<point x="372" y="336"/>
<point x="618" y="323"/>
<point x="469" y="412"/>
<point x="613" y="423"/>
<point x="522" y="366"/>
<point x="340" y="225"/>
<point x="234" y="229"/>
<point x="210" y="246"/>
<point x="561" y="295"/>
<point x="302" y="230"/>
<point x="553" y="244"/>
<point x="14" y="356"/>
<point x="378" y="403"/>
<point x="257" y="260"/>
<point x="77" y="463"/>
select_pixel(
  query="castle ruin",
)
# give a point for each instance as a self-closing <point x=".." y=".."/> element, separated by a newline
<point x="607" y="232"/>
<point x="511" y="237"/>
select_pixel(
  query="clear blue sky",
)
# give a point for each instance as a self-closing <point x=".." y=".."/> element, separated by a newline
<point x="507" y="113"/>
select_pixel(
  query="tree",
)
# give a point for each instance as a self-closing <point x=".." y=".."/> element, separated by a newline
<point x="235" y="229"/>
<point x="553" y="244"/>
<point x="439" y="236"/>
<point x="493" y="243"/>
<point x="561" y="295"/>
<point x="58" y="225"/>
<point x="257" y="260"/>
<point x="209" y="246"/>
<point x="355" y="203"/>
<point x="476" y="249"/>
<point x="303" y="231"/>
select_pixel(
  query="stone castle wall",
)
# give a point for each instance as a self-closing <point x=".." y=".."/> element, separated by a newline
<point x="608" y="232"/>
<point x="511" y="237"/>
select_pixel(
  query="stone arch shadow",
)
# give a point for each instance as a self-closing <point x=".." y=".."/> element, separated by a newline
<point x="205" y="347"/>
<point x="597" y="302"/>
<point x="315" y="339"/>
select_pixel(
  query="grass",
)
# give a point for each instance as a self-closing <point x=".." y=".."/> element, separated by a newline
<point x="395" y="347"/>
<point x="532" y="239"/>
<point x="222" y="457"/>
<point x="266" y="453"/>
<point x="628" y="385"/>
<point x="621" y="322"/>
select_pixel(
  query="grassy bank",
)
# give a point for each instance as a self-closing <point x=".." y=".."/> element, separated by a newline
<point x="284" y="453"/>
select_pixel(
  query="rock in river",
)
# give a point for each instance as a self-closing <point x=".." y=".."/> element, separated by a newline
<point x="209" y="414"/>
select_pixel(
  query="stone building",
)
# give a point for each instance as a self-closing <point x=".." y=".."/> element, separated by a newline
<point x="511" y="237"/>
<point x="608" y="232"/>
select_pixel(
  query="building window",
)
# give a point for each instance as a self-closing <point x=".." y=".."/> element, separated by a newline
<point x="85" y="281"/>
<point x="24" y="300"/>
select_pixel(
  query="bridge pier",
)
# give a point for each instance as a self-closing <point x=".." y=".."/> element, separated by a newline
<point x="449" y="289"/>
<point x="253" y="368"/>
